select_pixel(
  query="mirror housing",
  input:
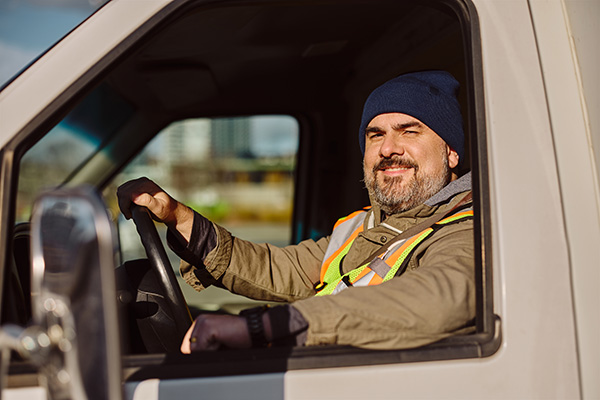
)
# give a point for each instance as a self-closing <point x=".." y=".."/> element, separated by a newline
<point x="75" y="338"/>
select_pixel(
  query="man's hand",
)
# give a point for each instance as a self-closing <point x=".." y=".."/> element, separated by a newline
<point x="164" y="208"/>
<point x="144" y="192"/>
<point x="210" y="332"/>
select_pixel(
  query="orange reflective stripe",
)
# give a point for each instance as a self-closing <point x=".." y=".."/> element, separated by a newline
<point x="362" y="273"/>
<point x="328" y="262"/>
<point x="346" y="218"/>
<point x="468" y="213"/>
<point x="376" y="280"/>
<point x="397" y="253"/>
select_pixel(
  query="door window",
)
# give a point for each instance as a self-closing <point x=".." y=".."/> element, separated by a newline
<point x="238" y="172"/>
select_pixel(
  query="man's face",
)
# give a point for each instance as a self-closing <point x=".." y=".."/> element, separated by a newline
<point x="405" y="162"/>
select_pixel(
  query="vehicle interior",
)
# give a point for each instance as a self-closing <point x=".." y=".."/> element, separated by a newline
<point x="313" y="62"/>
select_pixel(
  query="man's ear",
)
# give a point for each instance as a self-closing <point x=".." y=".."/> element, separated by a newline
<point x="453" y="157"/>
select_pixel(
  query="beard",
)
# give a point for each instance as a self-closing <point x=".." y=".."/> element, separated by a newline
<point x="393" y="196"/>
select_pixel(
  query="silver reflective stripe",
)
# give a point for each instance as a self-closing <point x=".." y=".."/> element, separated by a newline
<point x="379" y="267"/>
<point x="392" y="248"/>
<point x="340" y="286"/>
<point x="364" y="281"/>
<point x="342" y="233"/>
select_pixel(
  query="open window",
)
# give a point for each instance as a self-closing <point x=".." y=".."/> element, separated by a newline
<point x="238" y="172"/>
<point x="306" y="67"/>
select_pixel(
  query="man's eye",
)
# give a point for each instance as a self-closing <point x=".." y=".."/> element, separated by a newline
<point x="374" y="135"/>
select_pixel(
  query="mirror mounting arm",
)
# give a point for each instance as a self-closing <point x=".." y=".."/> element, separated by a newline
<point x="50" y="349"/>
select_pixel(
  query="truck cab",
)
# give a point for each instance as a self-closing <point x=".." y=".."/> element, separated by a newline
<point x="249" y="112"/>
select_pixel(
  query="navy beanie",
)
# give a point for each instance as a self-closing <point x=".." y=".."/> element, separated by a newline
<point x="429" y="96"/>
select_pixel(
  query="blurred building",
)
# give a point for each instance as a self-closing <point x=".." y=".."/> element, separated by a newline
<point x="230" y="137"/>
<point x="187" y="141"/>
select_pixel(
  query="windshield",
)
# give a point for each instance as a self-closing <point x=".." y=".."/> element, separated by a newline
<point x="30" y="27"/>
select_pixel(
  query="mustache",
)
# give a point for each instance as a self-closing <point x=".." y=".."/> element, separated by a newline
<point x="395" y="162"/>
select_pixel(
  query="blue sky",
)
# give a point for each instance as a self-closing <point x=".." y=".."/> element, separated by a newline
<point x="30" y="27"/>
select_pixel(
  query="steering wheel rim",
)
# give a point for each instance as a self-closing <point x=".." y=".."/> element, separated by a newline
<point x="162" y="267"/>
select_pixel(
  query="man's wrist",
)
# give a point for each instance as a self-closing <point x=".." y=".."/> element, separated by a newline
<point x="258" y="324"/>
<point x="277" y="326"/>
<point x="182" y="222"/>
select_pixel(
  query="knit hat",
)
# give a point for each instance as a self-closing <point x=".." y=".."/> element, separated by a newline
<point x="429" y="96"/>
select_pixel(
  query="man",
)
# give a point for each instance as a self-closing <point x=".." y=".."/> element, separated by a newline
<point x="398" y="275"/>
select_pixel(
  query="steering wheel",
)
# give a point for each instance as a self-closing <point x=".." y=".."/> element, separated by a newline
<point x="162" y="267"/>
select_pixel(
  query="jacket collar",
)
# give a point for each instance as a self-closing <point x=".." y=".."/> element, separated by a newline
<point x="429" y="207"/>
<point x="455" y="187"/>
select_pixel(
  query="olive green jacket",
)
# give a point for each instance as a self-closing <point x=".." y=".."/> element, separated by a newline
<point x="433" y="299"/>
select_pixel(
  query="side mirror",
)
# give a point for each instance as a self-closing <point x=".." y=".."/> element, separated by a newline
<point x="75" y="337"/>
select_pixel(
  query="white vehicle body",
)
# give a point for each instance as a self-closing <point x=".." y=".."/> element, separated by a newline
<point x="542" y="92"/>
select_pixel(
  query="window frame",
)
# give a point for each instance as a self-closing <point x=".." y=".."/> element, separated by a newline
<point x="485" y="342"/>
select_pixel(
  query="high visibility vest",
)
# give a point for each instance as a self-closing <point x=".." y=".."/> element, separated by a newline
<point x="382" y="268"/>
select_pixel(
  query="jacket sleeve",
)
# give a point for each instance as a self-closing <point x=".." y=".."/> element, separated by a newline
<point x="426" y="304"/>
<point x="259" y="271"/>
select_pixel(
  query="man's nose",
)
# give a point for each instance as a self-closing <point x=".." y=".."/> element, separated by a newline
<point x="390" y="146"/>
